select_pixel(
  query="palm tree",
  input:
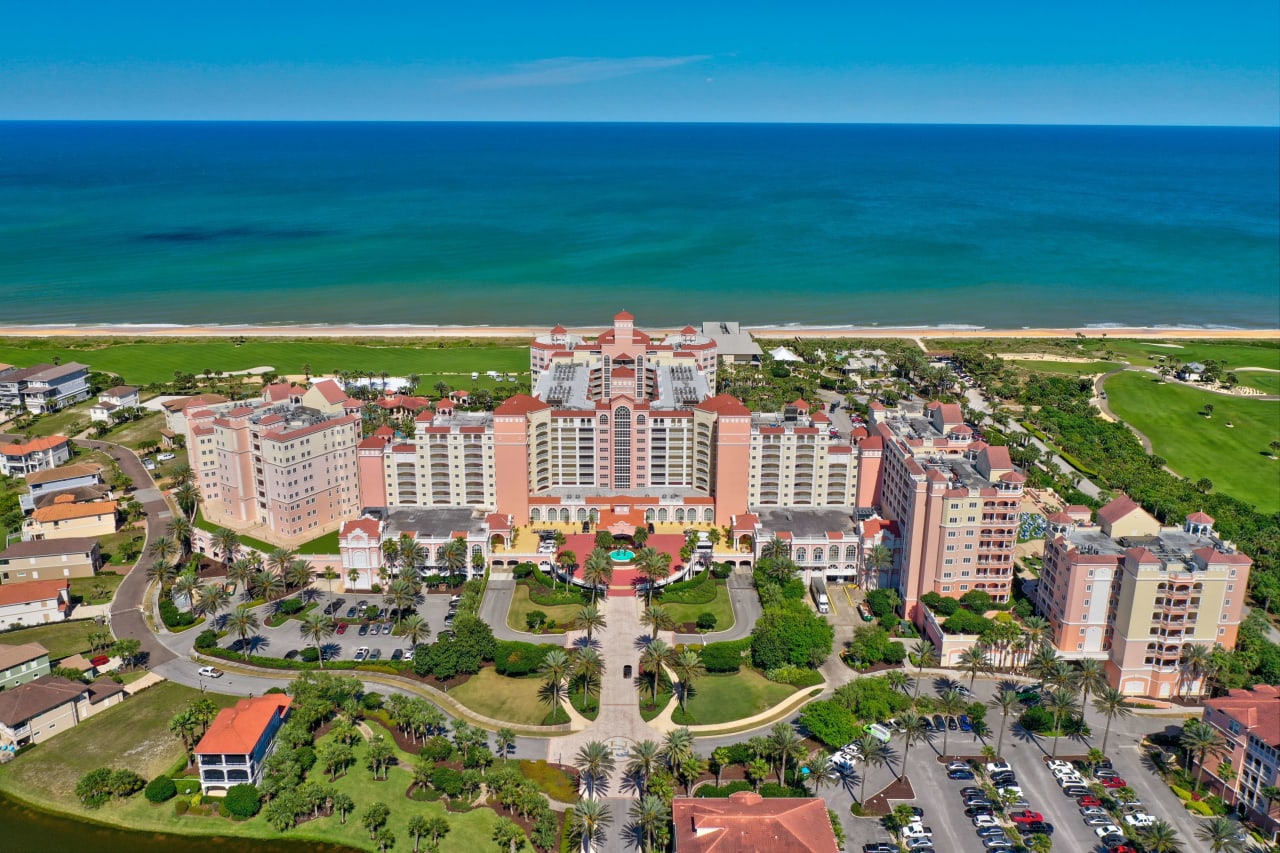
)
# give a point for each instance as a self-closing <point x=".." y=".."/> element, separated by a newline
<point x="688" y="667"/>
<point x="211" y="599"/>
<point x="1042" y="662"/>
<point x="1111" y="703"/>
<point x="913" y="731"/>
<point x="1060" y="702"/>
<point x="655" y="656"/>
<point x="226" y="543"/>
<point x="677" y="748"/>
<point x="1037" y="630"/>
<point x="879" y="558"/>
<point x="775" y="549"/>
<point x="1061" y="675"/>
<point x="950" y="703"/>
<point x="785" y="744"/>
<point x="589" y="619"/>
<point x="653" y="566"/>
<point x="597" y="571"/>
<point x="185" y="586"/>
<point x="1220" y="835"/>
<point x="874" y="754"/>
<point x="298" y="574"/>
<point x="645" y="757"/>
<point x="401" y="596"/>
<point x="973" y="660"/>
<point x="1202" y="740"/>
<point x="268" y="585"/>
<point x="1160" y="837"/>
<point x="243" y="621"/>
<point x="181" y="529"/>
<point x="455" y="556"/>
<point x="925" y="656"/>
<point x="1194" y="664"/>
<point x="594" y="762"/>
<point x="554" y="670"/>
<point x="1091" y="677"/>
<point x="162" y="572"/>
<point x="187" y="497"/>
<point x="647" y="813"/>
<point x="279" y="559"/>
<point x="317" y="627"/>
<point x="588" y="821"/>
<point x="588" y="666"/>
<point x="415" y="630"/>
<point x="1006" y="701"/>
<point x="241" y="571"/>
<point x="898" y="679"/>
<point x="657" y="618"/>
<point x="163" y="550"/>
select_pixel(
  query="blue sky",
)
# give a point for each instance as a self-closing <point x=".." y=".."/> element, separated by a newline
<point x="1130" y="62"/>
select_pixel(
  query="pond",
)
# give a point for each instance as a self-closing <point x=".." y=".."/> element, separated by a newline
<point x="28" y="829"/>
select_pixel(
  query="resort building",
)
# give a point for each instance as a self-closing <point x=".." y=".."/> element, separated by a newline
<point x="746" y="822"/>
<point x="954" y="502"/>
<point x="37" y="710"/>
<point x="113" y="400"/>
<point x="34" y="603"/>
<point x="39" y="454"/>
<point x="175" y="409"/>
<point x="45" y="484"/>
<point x="66" y="518"/>
<point x="44" y="387"/>
<point x="239" y="741"/>
<point x="1132" y="593"/>
<point x="1249" y="722"/>
<point x="50" y="559"/>
<point x="20" y="664"/>
<point x="281" y="463"/>
<point x="431" y="528"/>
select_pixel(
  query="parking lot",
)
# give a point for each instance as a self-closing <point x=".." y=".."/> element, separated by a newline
<point x="287" y="639"/>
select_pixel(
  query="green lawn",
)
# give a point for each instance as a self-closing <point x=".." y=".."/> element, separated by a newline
<point x="145" y="360"/>
<point x="257" y="544"/>
<point x="135" y="735"/>
<point x="512" y="699"/>
<point x="1231" y="353"/>
<point x="521" y="606"/>
<point x="112" y="545"/>
<point x="1195" y="446"/>
<point x="62" y="639"/>
<point x="66" y="422"/>
<point x="96" y="590"/>
<point x="325" y="544"/>
<point x="721" y="607"/>
<point x="732" y="696"/>
<point x="1267" y="383"/>
<point x="1068" y="368"/>
<point x="135" y="433"/>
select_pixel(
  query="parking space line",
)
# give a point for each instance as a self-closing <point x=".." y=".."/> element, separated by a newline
<point x="845" y="587"/>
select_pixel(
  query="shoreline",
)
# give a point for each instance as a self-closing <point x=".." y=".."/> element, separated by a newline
<point x="762" y="332"/>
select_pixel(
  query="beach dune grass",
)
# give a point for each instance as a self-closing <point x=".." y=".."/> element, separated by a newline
<point x="1235" y="459"/>
<point x="145" y="360"/>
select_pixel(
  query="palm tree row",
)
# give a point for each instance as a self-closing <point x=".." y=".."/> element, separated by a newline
<point x="562" y="671"/>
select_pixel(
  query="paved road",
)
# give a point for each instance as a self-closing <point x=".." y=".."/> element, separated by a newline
<point x="746" y="610"/>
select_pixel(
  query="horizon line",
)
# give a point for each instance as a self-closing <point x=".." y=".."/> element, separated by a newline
<point x="626" y="122"/>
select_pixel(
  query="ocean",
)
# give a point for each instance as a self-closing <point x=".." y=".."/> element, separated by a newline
<point x="533" y="224"/>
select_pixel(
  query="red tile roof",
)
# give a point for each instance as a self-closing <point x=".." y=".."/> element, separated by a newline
<point x="558" y="330"/>
<point x="237" y="730"/>
<point x="368" y="526"/>
<point x="1200" y="518"/>
<point x="1258" y="709"/>
<point x="624" y="315"/>
<point x="520" y="404"/>
<point x="1117" y="509"/>
<point x="748" y="823"/>
<point x="35" y="445"/>
<point x="330" y="390"/>
<point x="724" y="404"/>
<point x="22" y="593"/>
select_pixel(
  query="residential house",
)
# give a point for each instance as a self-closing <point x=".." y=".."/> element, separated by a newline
<point x="112" y="400"/>
<point x="239" y="741"/>
<point x="1192" y="371"/>
<point x="747" y="822"/>
<point x="39" y="454"/>
<point x="55" y="480"/>
<point x="50" y="559"/>
<point x="38" y="710"/>
<point x="1249" y="722"/>
<point x="22" y="663"/>
<point x="67" y="519"/>
<point x="34" y="603"/>
<point x="44" y="387"/>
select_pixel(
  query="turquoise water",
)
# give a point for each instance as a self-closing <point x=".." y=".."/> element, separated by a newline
<point x="541" y="223"/>
<point x="622" y="555"/>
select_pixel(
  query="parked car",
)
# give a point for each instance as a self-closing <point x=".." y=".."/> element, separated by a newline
<point x="1039" y="827"/>
<point x="1075" y="791"/>
<point x="991" y="832"/>
<point x="917" y="830"/>
<point x="966" y="792"/>
<point x="962" y="690"/>
<point x="1139" y="820"/>
<point x="997" y="844"/>
<point x="960" y="775"/>
<point x="210" y="672"/>
<point x="375" y="654"/>
<point x="957" y="765"/>
<point x="1003" y="778"/>
<point x="1026" y="816"/>
<point x="951" y="723"/>
<point x="1089" y="801"/>
<point x="966" y="725"/>
<point x="998" y="767"/>
<point x="1109" y="831"/>
<point x="1106" y="774"/>
<point x="342" y="628"/>
<point x="926" y="723"/>
<point x="985" y="820"/>
<point x="1114" y="782"/>
<point x="938" y="722"/>
<point x="398" y="654"/>
<point x="351" y="612"/>
<point x="880" y="847"/>
<point x="149" y="464"/>
<point x="364" y="629"/>
<point x="1103" y="819"/>
<point x="165" y="457"/>
<point x="1058" y="764"/>
<point x="974" y="811"/>
<point x="920" y="845"/>
<point x="361" y="654"/>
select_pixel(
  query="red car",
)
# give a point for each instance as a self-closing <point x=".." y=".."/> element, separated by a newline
<point x="1085" y="802"/>
<point x="342" y="627"/>
<point x="1122" y="848"/>
<point x="1027" y="816"/>
<point x="1114" y="783"/>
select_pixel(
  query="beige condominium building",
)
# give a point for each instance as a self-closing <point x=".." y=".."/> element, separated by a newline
<point x="1132" y="593"/>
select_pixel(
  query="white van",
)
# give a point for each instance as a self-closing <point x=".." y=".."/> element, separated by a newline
<point x="879" y="732"/>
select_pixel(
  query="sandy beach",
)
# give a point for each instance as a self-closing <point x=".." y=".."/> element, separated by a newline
<point x="762" y="332"/>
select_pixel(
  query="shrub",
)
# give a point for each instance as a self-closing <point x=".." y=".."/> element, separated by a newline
<point x="791" y="635"/>
<point x="305" y="755"/>
<point x="535" y="620"/>
<point x="724" y="657"/>
<point x="290" y="606"/>
<point x="243" y="801"/>
<point x="160" y="789"/>
<point x="706" y="621"/>
<point x="773" y="789"/>
<point x="371" y="701"/>
<point x="721" y="570"/>
<point x="894" y="653"/>
<point x="173" y="617"/>
<point x="524" y="570"/>
<point x="977" y="600"/>
<point x="829" y="722"/>
<point x="712" y="792"/>
<point x="881" y="602"/>
<point x="940" y="605"/>
<point x="796" y="676"/>
<point x="966" y="622"/>
<point x="447" y="781"/>
<point x="516" y="659"/>
<point x="309" y="655"/>
<point x="1036" y="719"/>
<point x="698" y="590"/>
<point x="437" y="748"/>
<point x="181" y="806"/>
<point x="207" y="639"/>
<point x="1201" y="808"/>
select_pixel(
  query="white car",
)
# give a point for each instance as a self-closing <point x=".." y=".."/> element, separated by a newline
<point x="1064" y="781"/>
<point x="1056" y="765"/>
<point x="999" y="767"/>
<point x="1010" y="790"/>
<point x="1139" y="820"/>
<point x="984" y="820"/>
<point x="1108" y="830"/>
<point x="210" y="672"/>
<point x="917" y="830"/>
<point x="165" y="457"/>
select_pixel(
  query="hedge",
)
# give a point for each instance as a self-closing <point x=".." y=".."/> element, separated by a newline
<point x="173" y="617"/>
<point x="515" y="658"/>
<point x="725" y="656"/>
<point x="243" y="801"/>
<point x="711" y="792"/>
<point x="699" y="590"/>
<point x="160" y="789"/>
<point x="1200" y="808"/>
<point x="542" y="592"/>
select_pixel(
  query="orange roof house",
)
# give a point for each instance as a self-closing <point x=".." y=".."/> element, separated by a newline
<point x="747" y="822"/>
<point x="239" y="741"/>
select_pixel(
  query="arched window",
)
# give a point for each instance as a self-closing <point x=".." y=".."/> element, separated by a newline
<point x="818" y="555"/>
<point x="800" y="555"/>
<point x="679" y="515"/>
<point x="650" y="515"/>
<point x="564" y="514"/>
<point x="851" y="552"/>
<point x="594" y="515"/>
<point x="582" y="515"/>
<point x="604" y="420"/>
<point x="535" y="514"/>
<point x="708" y="515"/>
<point x="662" y="514"/>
